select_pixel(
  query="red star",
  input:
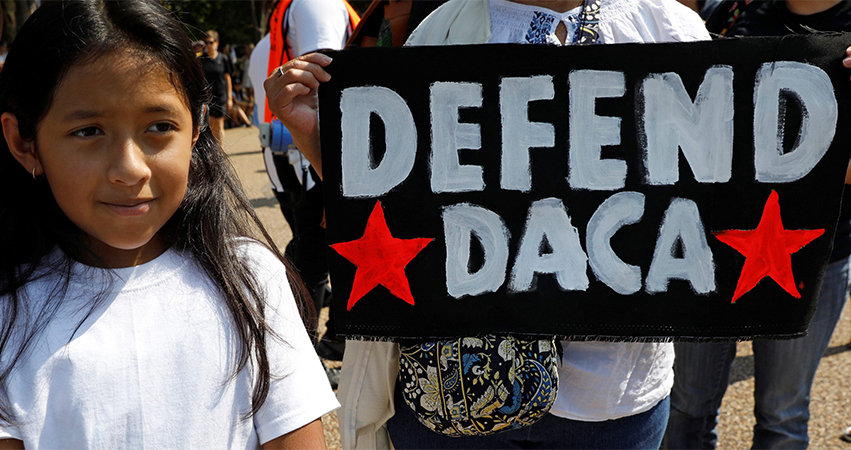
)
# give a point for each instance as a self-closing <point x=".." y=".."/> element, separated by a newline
<point x="767" y="249"/>
<point x="380" y="259"/>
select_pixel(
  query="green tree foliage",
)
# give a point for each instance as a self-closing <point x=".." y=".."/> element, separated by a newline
<point x="237" y="21"/>
<point x="360" y="5"/>
<point x="232" y="19"/>
<point x="14" y="13"/>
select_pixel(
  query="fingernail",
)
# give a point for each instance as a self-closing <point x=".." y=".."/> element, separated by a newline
<point x="325" y="58"/>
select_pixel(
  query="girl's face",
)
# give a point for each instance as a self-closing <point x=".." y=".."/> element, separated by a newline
<point x="115" y="147"/>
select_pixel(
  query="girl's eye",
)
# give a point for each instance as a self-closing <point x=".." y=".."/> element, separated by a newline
<point x="87" y="132"/>
<point x="161" y="127"/>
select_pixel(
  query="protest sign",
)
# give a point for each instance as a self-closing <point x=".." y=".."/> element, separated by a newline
<point x="630" y="191"/>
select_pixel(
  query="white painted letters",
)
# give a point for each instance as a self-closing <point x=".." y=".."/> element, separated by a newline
<point x="361" y="177"/>
<point x="448" y="136"/>
<point x="548" y="220"/>
<point x="623" y="208"/>
<point x="814" y="90"/>
<point x="703" y="129"/>
<point x="669" y="121"/>
<point x="461" y="223"/>
<point x="518" y="133"/>
<point x="590" y="132"/>
<point x="681" y="224"/>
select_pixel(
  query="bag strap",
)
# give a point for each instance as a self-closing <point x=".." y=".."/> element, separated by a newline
<point x="354" y="18"/>
<point x="589" y="23"/>
<point x="731" y="12"/>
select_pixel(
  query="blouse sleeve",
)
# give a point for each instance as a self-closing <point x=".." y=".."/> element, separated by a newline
<point x="299" y="392"/>
<point x="651" y="21"/>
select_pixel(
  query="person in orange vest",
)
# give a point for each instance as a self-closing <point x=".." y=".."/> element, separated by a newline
<point x="298" y="27"/>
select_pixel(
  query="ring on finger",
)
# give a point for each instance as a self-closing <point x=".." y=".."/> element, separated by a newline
<point x="281" y="71"/>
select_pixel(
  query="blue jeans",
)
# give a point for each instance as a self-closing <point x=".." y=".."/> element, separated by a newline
<point x="783" y="378"/>
<point x="640" y="431"/>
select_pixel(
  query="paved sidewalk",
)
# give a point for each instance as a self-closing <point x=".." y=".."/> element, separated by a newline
<point x="831" y="396"/>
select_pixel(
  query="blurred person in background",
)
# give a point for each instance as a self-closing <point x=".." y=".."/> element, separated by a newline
<point x="299" y="27"/>
<point x="247" y="86"/>
<point x="218" y="70"/>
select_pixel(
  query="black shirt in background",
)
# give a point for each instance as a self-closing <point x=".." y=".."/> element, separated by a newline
<point x="215" y="70"/>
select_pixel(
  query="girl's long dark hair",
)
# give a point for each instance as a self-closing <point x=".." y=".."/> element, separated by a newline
<point x="214" y="213"/>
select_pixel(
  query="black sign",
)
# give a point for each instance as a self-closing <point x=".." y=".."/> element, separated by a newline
<point x="626" y="191"/>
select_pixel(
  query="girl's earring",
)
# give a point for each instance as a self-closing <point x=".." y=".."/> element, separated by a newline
<point x="34" y="178"/>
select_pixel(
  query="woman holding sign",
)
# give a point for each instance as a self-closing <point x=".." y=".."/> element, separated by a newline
<point x="611" y="395"/>
<point x="784" y="369"/>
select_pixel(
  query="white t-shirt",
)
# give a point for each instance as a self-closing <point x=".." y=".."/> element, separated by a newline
<point x="599" y="380"/>
<point x="151" y="366"/>
<point x="311" y="25"/>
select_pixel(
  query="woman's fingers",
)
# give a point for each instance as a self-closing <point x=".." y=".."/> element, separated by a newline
<point x="278" y="89"/>
<point x="286" y="97"/>
<point x="299" y="77"/>
<point x="298" y="69"/>
<point x="315" y="58"/>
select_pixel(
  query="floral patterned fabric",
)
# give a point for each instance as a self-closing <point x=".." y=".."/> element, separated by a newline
<point x="539" y="28"/>
<point x="589" y="23"/>
<point x="475" y="386"/>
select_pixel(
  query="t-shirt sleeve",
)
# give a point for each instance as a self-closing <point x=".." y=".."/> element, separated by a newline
<point x="299" y="392"/>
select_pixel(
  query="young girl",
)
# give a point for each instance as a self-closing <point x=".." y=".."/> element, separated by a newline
<point x="135" y="312"/>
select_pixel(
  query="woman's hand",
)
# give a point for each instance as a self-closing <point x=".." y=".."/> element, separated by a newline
<point x="291" y="93"/>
